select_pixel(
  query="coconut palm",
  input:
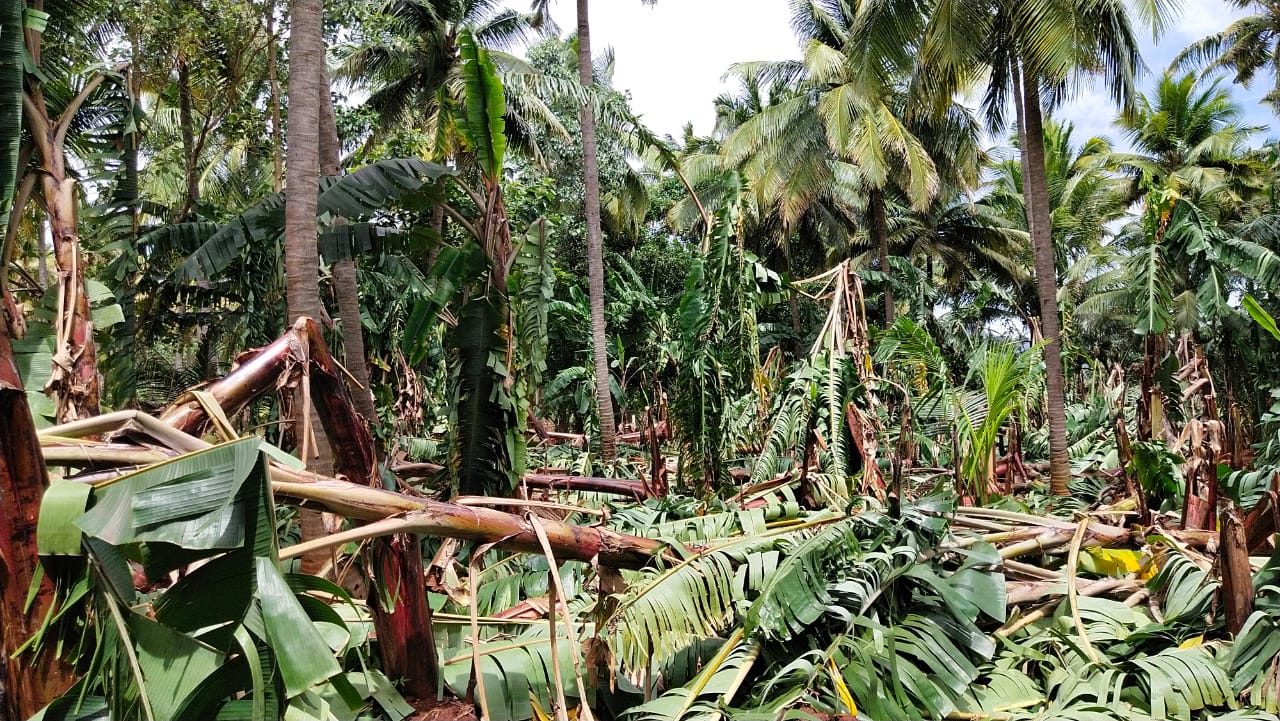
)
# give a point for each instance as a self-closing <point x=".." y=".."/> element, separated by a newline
<point x="1188" y="136"/>
<point x="1245" y="47"/>
<point x="853" y="105"/>
<point x="411" y="64"/>
<point x="1025" y="53"/>
<point x="1085" y="197"/>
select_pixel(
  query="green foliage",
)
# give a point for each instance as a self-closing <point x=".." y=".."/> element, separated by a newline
<point x="485" y="107"/>
<point x="234" y="635"/>
<point x="11" y="72"/>
<point x="1158" y="470"/>
<point x="1005" y="373"/>
<point x="716" y="348"/>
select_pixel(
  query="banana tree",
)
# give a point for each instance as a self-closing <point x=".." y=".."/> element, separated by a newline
<point x="51" y="107"/>
<point x="26" y="594"/>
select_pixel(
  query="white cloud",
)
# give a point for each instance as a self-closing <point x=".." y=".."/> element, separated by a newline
<point x="1205" y="17"/>
<point x="671" y="56"/>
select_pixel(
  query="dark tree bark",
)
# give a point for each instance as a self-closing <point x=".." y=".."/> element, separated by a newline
<point x="186" y="119"/>
<point x="880" y="231"/>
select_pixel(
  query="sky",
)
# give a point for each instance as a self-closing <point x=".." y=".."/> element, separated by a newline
<point x="671" y="56"/>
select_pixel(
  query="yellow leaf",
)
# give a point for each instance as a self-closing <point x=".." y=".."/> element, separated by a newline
<point x="1191" y="642"/>
<point x="841" y="689"/>
<point x="1119" y="562"/>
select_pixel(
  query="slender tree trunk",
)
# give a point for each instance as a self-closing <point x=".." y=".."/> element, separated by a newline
<point x="595" y="241"/>
<point x="273" y="78"/>
<point x="30" y="681"/>
<point x="928" y="304"/>
<point x="437" y="227"/>
<point x="793" y="298"/>
<point x="346" y="288"/>
<point x="186" y="120"/>
<point x="301" y="250"/>
<point x="880" y="229"/>
<point x="1036" y="191"/>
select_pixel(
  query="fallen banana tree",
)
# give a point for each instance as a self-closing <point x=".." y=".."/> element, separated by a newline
<point x="719" y="626"/>
<point x="395" y="513"/>
<point x="300" y="360"/>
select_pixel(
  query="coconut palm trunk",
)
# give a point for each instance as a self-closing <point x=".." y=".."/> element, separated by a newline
<point x="301" y="250"/>
<point x="880" y="229"/>
<point x="595" y="241"/>
<point x="1036" y="193"/>
<point x="302" y="170"/>
<point x="346" y="288"/>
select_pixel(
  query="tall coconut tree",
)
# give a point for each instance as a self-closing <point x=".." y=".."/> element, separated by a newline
<point x="1085" y="197"/>
<point x="1026" y="53"/>
<point x="410" y="63"/>
<point x="595" y="240"/>
<point x="301" y="250"/>
<point x="853" y="98"/>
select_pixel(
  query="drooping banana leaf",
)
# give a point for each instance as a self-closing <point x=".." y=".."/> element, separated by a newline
<point x="483" y="409"/>
<point x="234" y="637"/>
<point x="356" y="196"/>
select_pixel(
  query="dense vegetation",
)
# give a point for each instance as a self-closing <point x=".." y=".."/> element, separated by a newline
<point x="377" y="361"/>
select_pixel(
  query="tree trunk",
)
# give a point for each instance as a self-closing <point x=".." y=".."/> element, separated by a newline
<point x="301" y="252"/>
<point x="273" y="79"/>
<point x="793" y="298"/>
<point x="301" y="249"/>
<point x="405" y="639"/>
<point x="437" y="227"/>
<point x="186" y="120"/>
<point x="346" y="287"/>
<point x="595" y="242"/>
<point x="1036" y="191"/>
<point x="30" y="681"/>
<point x="880" y="231"/>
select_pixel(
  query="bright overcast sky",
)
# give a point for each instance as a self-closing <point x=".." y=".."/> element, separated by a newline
<point x="671" y="56"/>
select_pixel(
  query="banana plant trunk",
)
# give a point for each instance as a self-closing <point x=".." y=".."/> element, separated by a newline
<point x="401" y="613"/>
<point x="1036" y="191"/>
<point x="595" y="241"/>
<point x="1151" y="402"/>
<point x="298" y="356"/>
<point x="32" y="679"/>
<point x="73" y="383"/>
